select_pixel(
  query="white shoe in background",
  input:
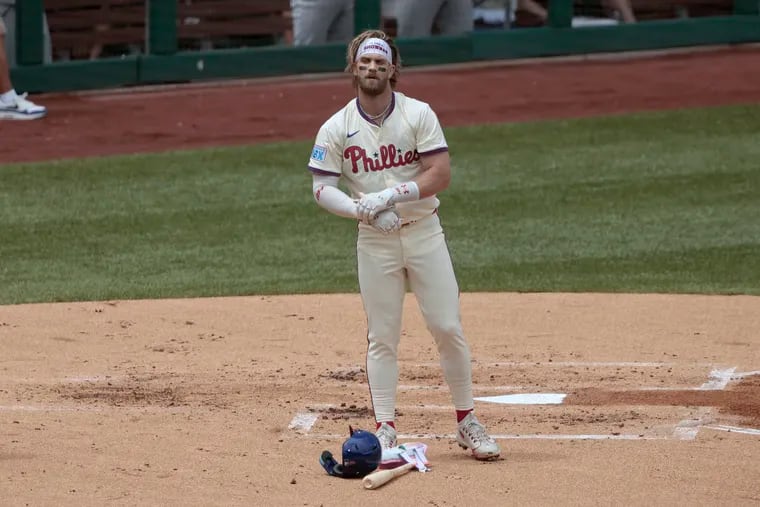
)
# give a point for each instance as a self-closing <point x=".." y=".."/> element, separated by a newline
<point x="21" y="109"/>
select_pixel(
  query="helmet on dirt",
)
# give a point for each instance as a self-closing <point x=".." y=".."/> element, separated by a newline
<point x="361" y="455"/>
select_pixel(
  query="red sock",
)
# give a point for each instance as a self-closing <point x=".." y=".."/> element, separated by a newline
<point x="389" y="423"/>
<point x="461" y="414"/>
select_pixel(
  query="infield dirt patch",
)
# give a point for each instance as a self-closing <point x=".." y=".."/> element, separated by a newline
<point x="229" y="401"/>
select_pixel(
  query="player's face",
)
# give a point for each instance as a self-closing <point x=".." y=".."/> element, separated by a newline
<point x="373" y="73"/>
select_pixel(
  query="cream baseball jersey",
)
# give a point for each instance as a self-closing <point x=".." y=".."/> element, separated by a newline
<point x="372" y="157"/>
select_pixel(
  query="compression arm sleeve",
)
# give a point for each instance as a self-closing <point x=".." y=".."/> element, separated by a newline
<point x="330" y="197"/>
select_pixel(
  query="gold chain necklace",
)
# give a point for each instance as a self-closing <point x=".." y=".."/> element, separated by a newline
<point x="383" y="113"/>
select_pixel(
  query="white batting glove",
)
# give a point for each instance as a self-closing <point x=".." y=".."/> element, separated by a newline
<point x="387" y="221"/>
<point x="370" y="205"/>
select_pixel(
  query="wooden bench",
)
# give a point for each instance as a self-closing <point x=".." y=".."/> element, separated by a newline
<point x="665" y="9"/>
<point x="659" y="9"/>
<point x="262" y="21"/>
<point x="82" y="28"/>
<point x="93" y="28"/>
<point x="644" y="10"/>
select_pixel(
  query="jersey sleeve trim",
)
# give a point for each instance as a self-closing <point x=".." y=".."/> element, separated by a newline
<point x="322" y="172"/>
<point x="433" y="152"/>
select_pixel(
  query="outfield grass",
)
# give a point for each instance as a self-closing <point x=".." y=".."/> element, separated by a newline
<point x="660" y="202"/>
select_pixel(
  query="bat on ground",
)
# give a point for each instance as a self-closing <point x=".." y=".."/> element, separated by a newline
<point x="380" y="477"/>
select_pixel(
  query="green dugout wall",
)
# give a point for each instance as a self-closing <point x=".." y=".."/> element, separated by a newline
<point x="164" y="64"/>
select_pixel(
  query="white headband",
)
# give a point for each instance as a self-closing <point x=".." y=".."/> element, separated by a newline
<point x="374" y="46"/>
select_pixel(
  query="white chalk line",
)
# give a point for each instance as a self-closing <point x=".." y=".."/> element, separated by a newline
<point x="737" y="376"/>
<point x="591" y="364"/>
<point x="479" y="389"/>
<point x="540" y="436"/>
<point x="719" y="379"/>
<point x="688" y="429"/>
<point x="682" y="433"/>
<point x="320" y="407"/>
<point x="733" y="429"/>
<point x="675" y="388"/>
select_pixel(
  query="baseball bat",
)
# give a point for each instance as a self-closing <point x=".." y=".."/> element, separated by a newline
<point x="380" y="477"/>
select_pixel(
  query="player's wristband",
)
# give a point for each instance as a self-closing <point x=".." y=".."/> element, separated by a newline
<point x="403" y="192"/>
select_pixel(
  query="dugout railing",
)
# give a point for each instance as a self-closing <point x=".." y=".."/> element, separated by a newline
<point x="160" y="58"/>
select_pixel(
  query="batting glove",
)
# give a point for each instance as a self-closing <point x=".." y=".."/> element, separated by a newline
<point x="370" y="205"/>
<point x="387" y="221"/>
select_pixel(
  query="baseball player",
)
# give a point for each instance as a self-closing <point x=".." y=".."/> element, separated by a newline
<point x="391" y="153"/>
<point x="12" y="105"/>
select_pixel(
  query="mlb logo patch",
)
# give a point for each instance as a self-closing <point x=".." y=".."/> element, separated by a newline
<point x="318" y="153"/>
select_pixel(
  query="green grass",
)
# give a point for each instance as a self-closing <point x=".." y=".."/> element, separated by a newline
<point x="663" y="202"/>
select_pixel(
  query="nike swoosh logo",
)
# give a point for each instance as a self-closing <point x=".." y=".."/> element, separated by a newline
<point x="352" y="135"/>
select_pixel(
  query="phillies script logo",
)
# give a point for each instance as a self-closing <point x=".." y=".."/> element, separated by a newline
<point x="387" y="157"/>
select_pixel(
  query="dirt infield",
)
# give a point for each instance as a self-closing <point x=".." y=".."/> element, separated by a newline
<point x="229" y="401"/>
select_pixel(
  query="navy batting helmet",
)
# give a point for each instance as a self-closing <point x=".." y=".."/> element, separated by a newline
<point x="361" y="455"/>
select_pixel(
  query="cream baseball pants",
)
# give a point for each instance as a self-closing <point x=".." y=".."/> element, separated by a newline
<point x="417" y="255"/>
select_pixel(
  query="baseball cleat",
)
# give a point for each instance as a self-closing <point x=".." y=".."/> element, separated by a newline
<point x="472" y="435"/>
<point x="21" y="109"/>
<point x="387" y="436"/>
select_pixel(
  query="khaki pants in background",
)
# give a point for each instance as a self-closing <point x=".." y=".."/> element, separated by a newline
<point x="8" y="25"/>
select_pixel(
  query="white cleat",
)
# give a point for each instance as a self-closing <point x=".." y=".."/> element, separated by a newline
<point x="472" y="435"/>
<point x="21" y="109"/>
<point x="387" y="436"/>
